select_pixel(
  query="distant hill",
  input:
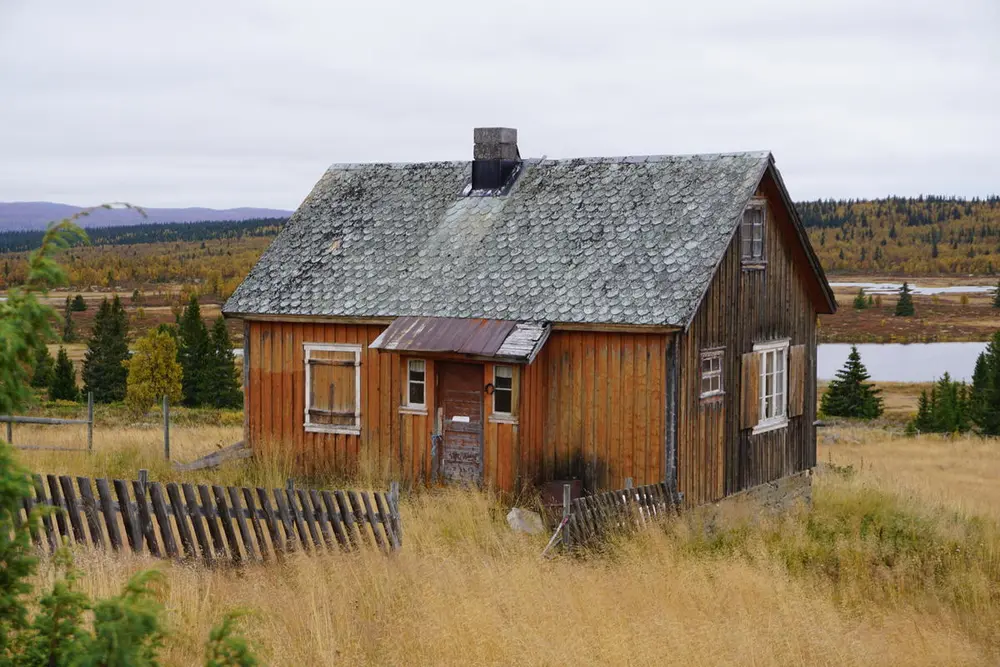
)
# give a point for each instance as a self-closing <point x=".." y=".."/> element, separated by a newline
<point x="35" y="215"/>
<point x="912" y="235"/>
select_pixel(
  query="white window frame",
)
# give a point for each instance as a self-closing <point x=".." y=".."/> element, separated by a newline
<point x="756" y="204"/>
<point x="502" y="413"/>
<point x="409" y="382"/>
<point x="713" y="354"/>
<point x="354" y="429"/>
<point x="776" y="421"/>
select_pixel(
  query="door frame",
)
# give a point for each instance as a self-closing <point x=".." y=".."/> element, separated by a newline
<point x="439" y="409"/>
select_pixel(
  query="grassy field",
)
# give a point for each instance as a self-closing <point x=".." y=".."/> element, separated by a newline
<point x="897" y="562"/>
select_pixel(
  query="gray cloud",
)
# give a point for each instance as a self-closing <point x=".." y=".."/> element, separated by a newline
<point x="230" y="103"/>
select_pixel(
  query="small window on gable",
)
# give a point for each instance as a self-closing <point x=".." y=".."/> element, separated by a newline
<point x="711" y="373"/>
<point x="752" y="233"/>
<point x="503" y="389"/>
<point x="416" y="383"/>
<point x="333" y="388"/>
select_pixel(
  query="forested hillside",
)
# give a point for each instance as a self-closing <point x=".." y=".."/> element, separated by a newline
<point x="925" y="235"/>
<point x="154" y="233"/>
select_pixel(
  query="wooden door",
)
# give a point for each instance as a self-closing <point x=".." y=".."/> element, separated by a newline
<point x="460" y="396"/>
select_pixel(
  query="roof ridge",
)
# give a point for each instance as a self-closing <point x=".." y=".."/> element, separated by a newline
<point x="592" y="159"/>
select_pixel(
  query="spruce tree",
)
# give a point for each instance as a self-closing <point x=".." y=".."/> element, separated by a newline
<point x="850" y="394"/>
<point x="996" y="296"/>
<point x="104" y="372"/>
<point x="41" y="375"/>
<point x="904" y="306"/>
<point x="223" y="386"/>
<point x="946" y="410"/>
<point x="78" y="305"/>
<point x="63" y="386"/>
<point x="986" y="389"/>
<point x="195" y="355"/>
<point x="69" y="330"/>
<point x="860" y="302"/>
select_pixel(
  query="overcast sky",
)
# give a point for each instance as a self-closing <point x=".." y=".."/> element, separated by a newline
<point x="245" y="102"/>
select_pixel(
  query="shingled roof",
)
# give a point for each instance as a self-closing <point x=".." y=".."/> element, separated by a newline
<point x="631" y="240"/>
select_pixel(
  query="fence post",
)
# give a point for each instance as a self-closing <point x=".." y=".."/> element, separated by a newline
<point x="565" y="530"/>
<point x="290" y="485"/>
<point x="166" y="428"/>
<point x="143" y="481"/>
<point x="90" y="422"/>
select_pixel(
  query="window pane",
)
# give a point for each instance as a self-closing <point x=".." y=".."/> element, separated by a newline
<point x="502" y="399"/>
<point x="503" y="377"/>
<point x="717" y="383"/>
<point x="779" y="405"/>
<point x="706" y="365"/>
<point x="417" y="369"/>
<point x="416" y="393"/>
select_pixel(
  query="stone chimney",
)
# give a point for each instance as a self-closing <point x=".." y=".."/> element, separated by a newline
<point x="494" y="157"/>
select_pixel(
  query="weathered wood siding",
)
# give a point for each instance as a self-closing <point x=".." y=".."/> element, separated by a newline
<point x="716" y="456"/>
<point x="593" y="406"/>
<point x="393" y="443"/>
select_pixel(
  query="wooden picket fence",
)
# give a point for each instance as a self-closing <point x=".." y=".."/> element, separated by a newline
<point x="592" y="517"/>
<point x="212" y="523"/>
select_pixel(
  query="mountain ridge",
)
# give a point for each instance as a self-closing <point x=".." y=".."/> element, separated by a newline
<point x="29" y="216"/>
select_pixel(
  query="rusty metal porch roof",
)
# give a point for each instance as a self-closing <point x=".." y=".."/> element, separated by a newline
<point x="501" y="339"/>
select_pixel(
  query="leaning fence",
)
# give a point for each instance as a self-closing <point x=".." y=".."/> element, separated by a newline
<point x="211" y="523"/>
<point x="593" y="517"/>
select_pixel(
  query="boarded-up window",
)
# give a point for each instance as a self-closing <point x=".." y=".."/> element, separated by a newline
<point x="333" y="387"/>
<point x="711" y="373"/>
<point x="752" y="232"/>
<point x="503" y="389"/>
<point x="797" y="378"/>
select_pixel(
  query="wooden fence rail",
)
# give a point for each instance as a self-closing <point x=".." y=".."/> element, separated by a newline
<point x="593" y="517"/>
<point x="10" y="420"/>
<point x="211" y="523"/>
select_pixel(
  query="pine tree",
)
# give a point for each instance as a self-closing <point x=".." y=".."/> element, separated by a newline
<point x="223" y="386"/>
<point x="850" y="394"/>
<point x="78" y="305"/>
<point x="195" y="355"/>
<point x="996" y="296"/>
<point x="946" y="410"/>
<point x="41" y="375"/>
<point x="904" y="306"/>
<point x="104" y="372"/>
<point x="63" y="386"/>
<point x="69" y="330"/>
<point x="860" y="302"/>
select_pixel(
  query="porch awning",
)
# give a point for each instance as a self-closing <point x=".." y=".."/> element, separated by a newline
<point x="495" y="339"/>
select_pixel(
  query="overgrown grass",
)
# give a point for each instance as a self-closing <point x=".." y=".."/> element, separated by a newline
<point x="893" y="564"/>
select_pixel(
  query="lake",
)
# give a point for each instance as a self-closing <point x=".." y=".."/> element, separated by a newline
<point x="893" y="288"/>
<point x="895" y="362"/>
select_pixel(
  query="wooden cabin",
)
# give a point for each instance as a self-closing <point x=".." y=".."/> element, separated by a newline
<point x="509" y="321"/>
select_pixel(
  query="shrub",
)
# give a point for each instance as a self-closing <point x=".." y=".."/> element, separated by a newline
<point x="153" y="372"/>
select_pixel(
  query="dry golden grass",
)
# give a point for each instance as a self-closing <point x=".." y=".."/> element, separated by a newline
<point x="465" y="590"/>
<point x="962" y="473"/>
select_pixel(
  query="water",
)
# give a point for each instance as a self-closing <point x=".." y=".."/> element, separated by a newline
<point x="896" y="362"/>
<point x="893" y="288"/>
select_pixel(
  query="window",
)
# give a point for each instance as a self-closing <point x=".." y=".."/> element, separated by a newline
<point x="773" y="385"/>
<point x="752" y="232"/>
<point x="503" y="389"/>
<point x="333" y="388"/>
<point x="711" y="373"/>
<point x="416" y="383"/>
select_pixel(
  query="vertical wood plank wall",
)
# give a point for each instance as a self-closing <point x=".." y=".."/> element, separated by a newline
<point x="716" y="457"/>
<point x="593" y="406"/>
